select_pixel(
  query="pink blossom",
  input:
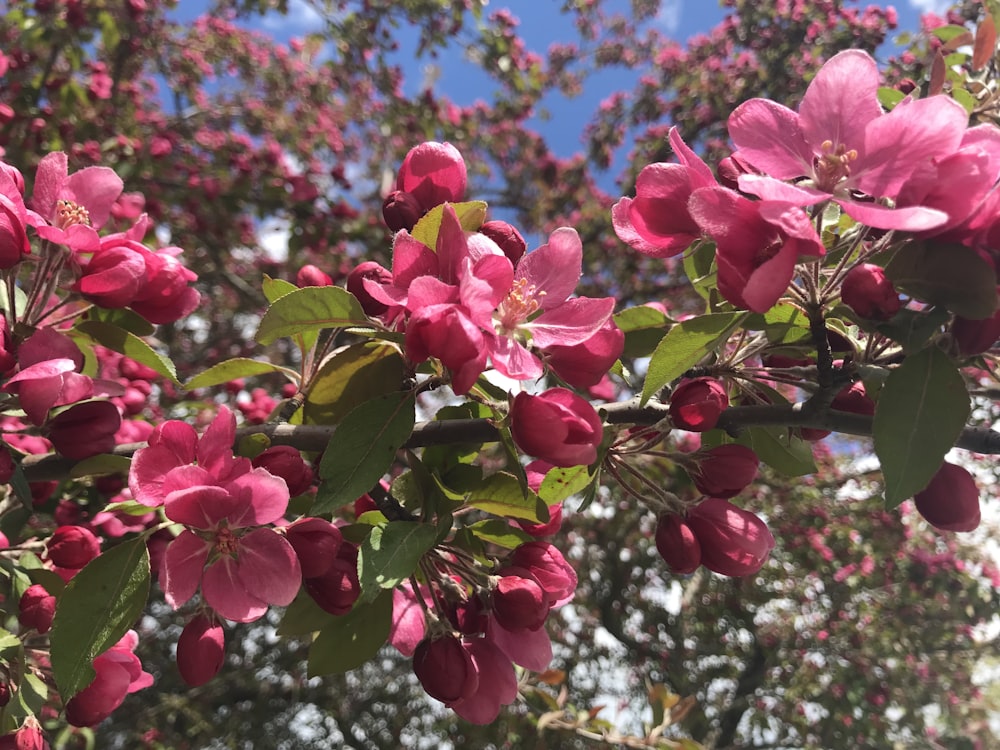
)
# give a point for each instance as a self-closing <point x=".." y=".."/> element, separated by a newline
<point x="758" y="244"/>
<point x="43" y="385"/>
<point x="950" y="501"/>
<point x="201" y="649"/>
<point x="70" y="208"/>
<point x="733" y="541"/>
<point x="496" y="685"/>
<point x="843" y="144"/>
<point x="118" y="673"/>
<point x="657" y="222"/>
<point x="677" y="544"/>
<point x="538" y="306"/>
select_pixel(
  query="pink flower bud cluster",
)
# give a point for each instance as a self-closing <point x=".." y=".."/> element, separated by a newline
<point x="715" y="533"/>
<point x="466" y="660"/>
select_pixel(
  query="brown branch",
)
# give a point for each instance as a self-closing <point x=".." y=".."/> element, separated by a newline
<point x="314" y="438"/>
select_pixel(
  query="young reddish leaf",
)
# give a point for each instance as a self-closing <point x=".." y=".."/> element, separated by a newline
<point x="986" y="43"/>
<point x="938" y="71"/>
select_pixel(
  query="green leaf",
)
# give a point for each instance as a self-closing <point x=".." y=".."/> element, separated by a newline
<point x="276" y="288"/>
<point x="390" y="555"/>
<point x="921" y="410"/>
<point x="912" y="329"/>
<point x="685" y="345"/>
<point x="352" y="639"/>
<point x="783" y="324"/>
<point x="240" y="367"/>
<point x="889" y="97"/>
<point x="101" y="465"/>
<point x="787" y="454"/>
<point x="363" y="448"/>
<point x="560" y="483"/>
<point x="643" y="327"/>
<point x="501" y="494"/>
<point x="96" y="609"/>
<point x="124" y="342"/>
<point x="303" y="616"/>
<point x="471" y="215"/>
<point x="698" y="263"/>
<point x="311" y="308"/>
<point x="356" y="374"/>
<point x="123" y="318"/>
<point x="500" y="532"/>
<point x="953" y="276"/>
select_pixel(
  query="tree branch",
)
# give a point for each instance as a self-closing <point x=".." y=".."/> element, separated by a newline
<point x="314" y="438"/>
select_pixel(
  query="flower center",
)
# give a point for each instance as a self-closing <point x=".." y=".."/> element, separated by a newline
<point x="522" y="301"/>
<point x="833" y="165"/>
<point x="69" y="213"/>
<point x="226" y="542"/>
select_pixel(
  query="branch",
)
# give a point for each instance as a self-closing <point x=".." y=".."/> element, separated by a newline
<point x="314" y="438"/>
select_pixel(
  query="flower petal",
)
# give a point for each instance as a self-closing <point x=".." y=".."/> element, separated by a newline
<point x="268" y="567"/>
<point x="223" y="591"/>
<point x="183" y="563"/>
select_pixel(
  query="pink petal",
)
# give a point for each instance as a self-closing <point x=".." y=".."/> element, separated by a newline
<point x="840" y="102"/>
<point x="199" y="506"/>
<point x="573" y="322"/>
<point x="771" y="189"/>
<point x="497" y="684"/>
<point x="906" y="218"/>
<point x="510" y="358"/>
<point x="452" y="247"/>
<point x="770" y="137"/>
<point x="223" y="591"/>
<point x="49" y="179"/>
<point x="183" y="563"/>
<point x="96" y="189"/>
<point x="262" y="498"/>
<point x="268" y="567"/>
<point x="700" y="173"/>
<point x="215" y="448"/>
<point x="530" y="649"/>
<point x="554" y="268"/>
<point x="408" y="624"/>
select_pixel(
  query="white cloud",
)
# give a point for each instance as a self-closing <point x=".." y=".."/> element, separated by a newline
<point x="669" y="15"/>
<point x="934" y="6"/>
<point x="301" y="18"/>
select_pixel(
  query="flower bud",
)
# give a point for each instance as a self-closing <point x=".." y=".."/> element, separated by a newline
<point x="677" y="544"/>
<point x="400" y="210"/>
<point x="725" y="470"/>
<point x="85" y="429"/>
<point x="697" y="403"/>
<point x="951" y="501"/>
<point x="28" y="737"/>
<point x="445" y="669"/>
<point x="867" y="290"/>
<point x="286" y="462"/>
<point x="733" y="541"/>
<point x="72" y="547"/>
<point x="433" y="173"/>
<point x="316" y="543"/>
<point x="507" y="238"/>
<point x="974" y="337"/>
<point x="310" y="275"/>
<point x="547" y="565"/>
<point x="337" y="589"/>
<point x="557" y="426"/>
<point x="201" y="649"/>
<point x="36" y="608"/>
<point x="356" y="286"/>
<point x="583" y="365"/>
<point x="519" y="602"/>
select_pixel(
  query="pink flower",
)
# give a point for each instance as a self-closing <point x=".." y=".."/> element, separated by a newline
<point x="114" y="275"/>
<point x="538" y="306"/>
<point x="227" y="550"/>
<point x="118" y="673"/>
<point x="70" y="208"/>
<point x="733" y="541"/>
<point x="549" y="568"/>
<point x="43" y="385"/>
<point x="657" y="222"/>
<point x="433" y="173"/>
<point x="36" y="608"/>
<point x="28" y="737"/>
<point x="165" y="296"/>
<point x="445" y="669"/>
<point x="519" y="602"/>
<point x="496" y="685"/>
<point x="446" y="332"/>
<point x="286" y="462"/>
<point x="557" y="426"/>
<point x="85" y="429"/>
<point x="585" y="364"/>
<point x="843" y="144"/>
<point x="758" y="244"/>
<point x="316" y="542"/>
